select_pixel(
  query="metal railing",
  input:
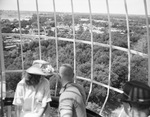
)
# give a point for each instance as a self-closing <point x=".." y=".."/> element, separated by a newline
<point x="74" y="41"/>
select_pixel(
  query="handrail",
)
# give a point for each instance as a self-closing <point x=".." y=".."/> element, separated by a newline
<point x="85" y="42"/>
<point x="101" y="84"/>
<point x="74" y="41"/>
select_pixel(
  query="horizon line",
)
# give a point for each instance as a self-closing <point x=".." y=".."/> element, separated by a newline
<point x="78" y="12"/>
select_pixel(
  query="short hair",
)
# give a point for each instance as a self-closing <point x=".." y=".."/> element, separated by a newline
<point x="67" y="71"/>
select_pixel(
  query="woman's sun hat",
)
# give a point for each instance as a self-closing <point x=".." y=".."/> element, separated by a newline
<point x="40" y="67"/>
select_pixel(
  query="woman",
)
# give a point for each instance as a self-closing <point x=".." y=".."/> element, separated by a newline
<point x="33" y="91"/>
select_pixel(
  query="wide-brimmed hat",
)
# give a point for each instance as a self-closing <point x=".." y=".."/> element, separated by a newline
<point x="135" y="91"/>
<point x="40" y="67"/>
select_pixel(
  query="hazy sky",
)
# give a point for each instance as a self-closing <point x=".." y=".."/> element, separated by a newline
<point x="98" y="6"/>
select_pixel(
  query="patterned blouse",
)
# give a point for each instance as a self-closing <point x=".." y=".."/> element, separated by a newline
<point x="32" y="98"/>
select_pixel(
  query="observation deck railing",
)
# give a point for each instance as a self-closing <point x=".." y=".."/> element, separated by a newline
<point x="3" y="71"/>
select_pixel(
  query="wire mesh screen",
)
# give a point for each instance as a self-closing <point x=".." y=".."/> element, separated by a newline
<point x="104" y="49"/>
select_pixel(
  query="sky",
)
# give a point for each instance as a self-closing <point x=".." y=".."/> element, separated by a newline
<point x="97" y="6"/>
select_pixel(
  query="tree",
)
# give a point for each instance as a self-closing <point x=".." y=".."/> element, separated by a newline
<point x="81" y="30"/>
<point x="139" y="68"/>
<point x="6" y="29"/>
<point x="24" y="23"/>
<point x="12" y="79"/>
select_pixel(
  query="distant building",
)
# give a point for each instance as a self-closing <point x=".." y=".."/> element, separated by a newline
<point x="7" y="38"/>
<point x="115" y="30"/>
<point x="17" y="30"/>
<point x="10" y="46"/>
<point x="145" y="26"/>
<point x="98" y="31"/>
<point x="84" y="19"/>
<point x="102" y="21"/>
<point x="34" y="31"/>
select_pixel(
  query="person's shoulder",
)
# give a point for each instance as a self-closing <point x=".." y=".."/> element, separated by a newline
<point x="71" y="91"/>
<point x="44" y="81"/>
<point x="21" y="82"/>
<point x="79" y="89"/>
<point x="77" y="86"/>
<point x="67" y="95"/>
<point x="72" y="88"/>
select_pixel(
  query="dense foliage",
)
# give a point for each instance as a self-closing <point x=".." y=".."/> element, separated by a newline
<point x="119" y="73"/>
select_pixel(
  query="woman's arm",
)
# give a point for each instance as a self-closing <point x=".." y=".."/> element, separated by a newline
<point x="41" y="111"/>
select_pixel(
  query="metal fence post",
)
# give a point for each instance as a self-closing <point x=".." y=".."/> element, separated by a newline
<point x="2" y="69"/>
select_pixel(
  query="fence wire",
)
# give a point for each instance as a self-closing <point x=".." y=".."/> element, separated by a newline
<point x="110" y="46"/>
